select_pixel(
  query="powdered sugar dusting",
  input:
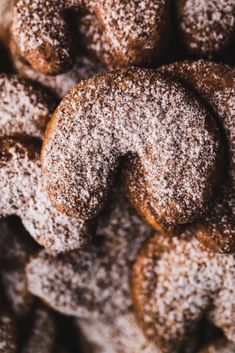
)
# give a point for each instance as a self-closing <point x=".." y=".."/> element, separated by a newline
<point x="176" y="281"/>
<point x="94" y="284"/>
<point x="208" y="26"/>
<point x="24" y="107"/>
<point x="215" y="83"/>
<point x="167" y="132"/>
<point x="40" y="25"/>
<point x="22" y="193"/>
<point x="15" y="249"/>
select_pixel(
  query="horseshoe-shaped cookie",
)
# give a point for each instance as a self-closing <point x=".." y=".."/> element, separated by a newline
<point x="167" y="140"/>
<point x="135" y="30"/>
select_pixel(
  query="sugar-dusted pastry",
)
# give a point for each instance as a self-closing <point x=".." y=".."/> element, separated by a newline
<point x="16" y="248"/>
<point x="215" y="83"/>
<point x="94" y="285"/>
<point x="25" y="111"/>
<point x="176" y="281"/>
<point x="163" y="139"/>
<point x="135" y="30"/>
<point x="25" y="107"/>
<point x="207" y="27"/>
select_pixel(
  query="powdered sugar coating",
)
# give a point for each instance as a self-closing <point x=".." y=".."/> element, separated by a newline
<point x="135" y="30"/>
<point x="152" y="122"/>
<point x="175" y="282"/>
<point x="127" y="32"/>
<point x="24" y="107"/>
<point x="43" y="35"/>
<point x="94" y="284"/>
<point x="83" y="68"/>
<point x="22" y="193"/>
<point x="215" y="83"/>
<point x="15" y="249"/>
<point x="208" y="27"/>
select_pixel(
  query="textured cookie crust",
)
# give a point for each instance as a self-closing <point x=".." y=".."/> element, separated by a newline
<point x="84" y="68"/>
<point x="16" y="247"/>
<point x="135" y="31"/>
<point x="94" y="284"/>
<point x="167" y="140"/>
<point x="207" y="27"/>
<point x="25" y="108"/>
<point x="215" y="83"/>
<point x="175" y="282"/>
<point x="22" y="194"/>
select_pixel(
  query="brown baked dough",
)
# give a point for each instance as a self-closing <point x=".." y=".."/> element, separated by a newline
<point x="25" y="107"/>
<point x="22" y="194"/>
<point x="175" y="282"/>
<point x="136" y="31"/>
<point x="215" y="83"/>
<point x="207" y="27"/>
<point x="167" y="140"/>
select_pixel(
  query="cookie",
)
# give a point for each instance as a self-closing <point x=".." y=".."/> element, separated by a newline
<point x="151" y="125"/>
<point x="207" y="27"/>
<point x="22" y="194"/>
<point x="25" y="108"/>
<point x="84" y="68"/>
<point x="215" y="83"/>
<point x="93" y="285"/>
<point x="179" y="272"/>
<point x="16" y="247"/>
<point x="136" y="31"/>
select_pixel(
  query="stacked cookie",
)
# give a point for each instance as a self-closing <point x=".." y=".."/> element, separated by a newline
<point x="117" y="174"/>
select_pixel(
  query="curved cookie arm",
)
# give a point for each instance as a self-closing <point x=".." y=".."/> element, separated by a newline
<point x="25" y="108"/>
<point x="136" y="32"/>
<point x="207" y="27"/>
<point x="22" y="193"/>
<point x="215" y="83"/>
<point x="170" y="140"/>
<point x="177" y="281"/>
<point x="43" y="36"/>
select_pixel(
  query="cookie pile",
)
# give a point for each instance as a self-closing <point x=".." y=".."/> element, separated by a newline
<point x="117" y="176"/>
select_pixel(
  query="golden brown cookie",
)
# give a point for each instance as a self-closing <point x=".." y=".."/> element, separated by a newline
<point x="215" y="83"/>
<point x="175" y="282"/>
<point x="165" y="141"/>
<point x="136" y="31"/>
<point x="207" y="27"/>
